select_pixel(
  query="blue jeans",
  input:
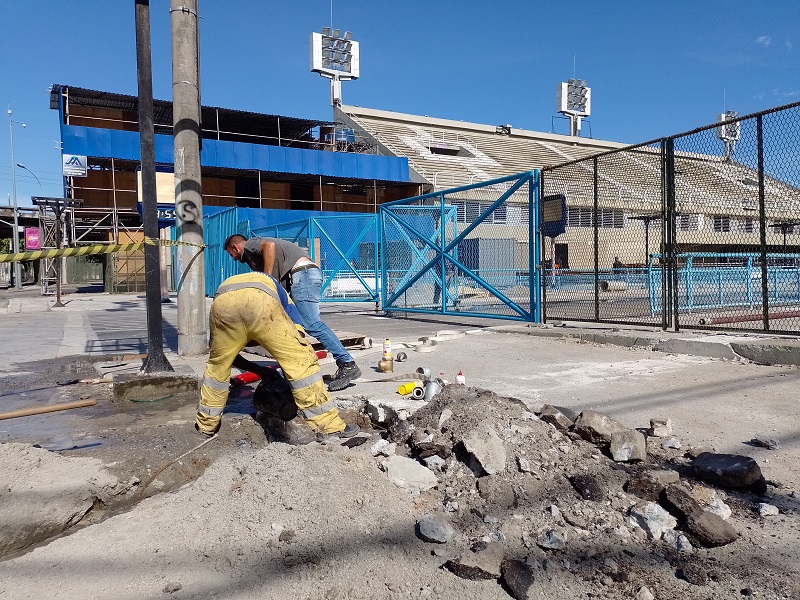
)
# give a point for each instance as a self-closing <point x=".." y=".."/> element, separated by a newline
<point x="306" y="292"/>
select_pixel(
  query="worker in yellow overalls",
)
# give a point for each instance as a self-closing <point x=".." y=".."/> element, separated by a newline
<point x="252" y="307"/>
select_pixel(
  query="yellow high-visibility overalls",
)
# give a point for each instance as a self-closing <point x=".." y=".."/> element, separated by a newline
<point x="247" y="308"/>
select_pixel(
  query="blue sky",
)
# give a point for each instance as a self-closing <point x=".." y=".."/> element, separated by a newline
<point x="655" y="67"/>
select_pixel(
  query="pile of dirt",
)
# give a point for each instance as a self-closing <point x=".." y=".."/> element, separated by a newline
<point x="471" y="497"/>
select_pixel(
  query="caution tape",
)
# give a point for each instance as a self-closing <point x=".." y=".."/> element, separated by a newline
<point x="90" y="250"/>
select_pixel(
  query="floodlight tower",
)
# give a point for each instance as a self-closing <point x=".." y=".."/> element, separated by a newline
<point x="574" y="101"/>
<point x="335" y="57"/>
<point x="729" y="131"/>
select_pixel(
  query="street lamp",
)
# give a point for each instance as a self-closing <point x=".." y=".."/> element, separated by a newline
<point x="21" y="166"/>
<point x="15" y="237"/>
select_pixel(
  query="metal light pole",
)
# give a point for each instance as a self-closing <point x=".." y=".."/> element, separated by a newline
<point x="15" y="237"/>
<point x="156" y="361"/>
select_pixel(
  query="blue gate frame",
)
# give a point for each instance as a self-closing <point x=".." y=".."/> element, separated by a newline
<point x="407" y="221"/>
<point x="341" y="236"/>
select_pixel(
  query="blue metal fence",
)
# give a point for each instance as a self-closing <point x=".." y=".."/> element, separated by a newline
<point x="470" y="250"/>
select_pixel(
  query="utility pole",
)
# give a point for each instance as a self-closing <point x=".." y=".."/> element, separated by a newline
<point x="192" y="317"/>
<point x="156" y="361"/>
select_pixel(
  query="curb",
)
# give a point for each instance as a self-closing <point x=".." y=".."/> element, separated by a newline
<point x="763" y="351"/>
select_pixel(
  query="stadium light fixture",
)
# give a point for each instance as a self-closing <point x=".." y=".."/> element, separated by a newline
<point x="574" y="99"/>
<point x="335" y="57"/>
<point x="729" y="131"/>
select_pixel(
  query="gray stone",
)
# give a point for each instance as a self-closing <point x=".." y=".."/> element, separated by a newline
<point x="679" y="541"/>
<point x="727" y="470"/>
<point x="399" y="430"/>
<point x="550" y="414"/>
<point x="767" y="510"/>
<point x="671" y="442"/>
<point x="434" y="462"/>
<point x="524" y="465"/>
<point x="409" y="474"/>
<point x="551" y="540"/>
<point x="660" y="427"/>
<point x="383" y="447"/>
<point x="693" y="572"/>
<point x="436" y="529"/>
<point x="588" y="487"/>
<point x="649" y="484"/>
<point x="695" y="451"/>
<point x="766" y="441"/>
<point x="709" y="529"/>
<point x="596" y="427"/>
<point x="519" y="577"/>
<point x="171" y="587"/>
<point x="653" y="519"/>
<point x="483" y="563"/>
<point x="644" y="594"/>
<point x="487" y="448"/>
<point x="628" y="445"/>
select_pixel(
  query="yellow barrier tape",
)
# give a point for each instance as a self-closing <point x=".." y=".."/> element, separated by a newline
<point x="90" y="249"/>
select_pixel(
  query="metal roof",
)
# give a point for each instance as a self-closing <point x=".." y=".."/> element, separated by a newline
<point x="212" y="117"/>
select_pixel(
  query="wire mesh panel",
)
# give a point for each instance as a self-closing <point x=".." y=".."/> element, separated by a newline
<point x="737" y="223"/>
<point x="700" y="229"/>
<point x="465" y="250"/>
<point x="601" y="267"/>
<point x="345" y="247"/>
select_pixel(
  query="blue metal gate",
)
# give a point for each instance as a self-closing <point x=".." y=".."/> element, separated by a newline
<point x="345" y="246"/>
<point x="471" y="250"/>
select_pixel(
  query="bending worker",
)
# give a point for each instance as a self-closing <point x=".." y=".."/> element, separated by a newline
<point x="249" y="308"/>
<point x="288" y="263"/>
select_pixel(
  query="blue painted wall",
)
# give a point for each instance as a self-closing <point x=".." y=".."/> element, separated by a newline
<point x="108" y="143"/>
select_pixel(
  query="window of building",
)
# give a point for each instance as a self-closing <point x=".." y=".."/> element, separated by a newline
<point x="749" y="225"/>
<point x="722" y="223"/>
<point x="687" y="222"/>
<point x="608" y="218"/>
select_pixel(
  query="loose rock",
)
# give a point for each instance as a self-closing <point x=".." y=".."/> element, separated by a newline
<point x="660" y="427"/>
<point x="409" y="474"/>
<point x="767" y="510"/>
<point x="550" y="414"/>
<point x="628" y="445"/>
<point x="434" y="528"/>
<point x="482" y="563"/>
<point x="596" y="427"/>
<point x="588" y="487"/>
<point x="727" y="470"/>
<point x="766" y="441"/>
<point x="653" y="519"/>
<point x="487" y="448"/>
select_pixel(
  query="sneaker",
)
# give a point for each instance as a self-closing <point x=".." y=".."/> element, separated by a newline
<point x="328" y="438"/>
<point x="343" y="376"/>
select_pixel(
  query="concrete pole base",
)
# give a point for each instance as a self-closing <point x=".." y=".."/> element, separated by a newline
<point x="192" y="344"/>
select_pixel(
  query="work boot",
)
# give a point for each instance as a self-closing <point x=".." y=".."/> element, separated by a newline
<point x="343" y="376"/>
<point x="348" y="432"/>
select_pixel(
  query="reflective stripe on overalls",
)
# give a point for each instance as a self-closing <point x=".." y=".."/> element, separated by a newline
<point x="241" y="313"/>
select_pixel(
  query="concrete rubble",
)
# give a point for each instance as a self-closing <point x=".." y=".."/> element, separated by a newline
<point x="536" y="500"/>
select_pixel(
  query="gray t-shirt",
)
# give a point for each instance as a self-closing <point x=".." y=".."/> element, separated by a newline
<point x="286" y="256"/>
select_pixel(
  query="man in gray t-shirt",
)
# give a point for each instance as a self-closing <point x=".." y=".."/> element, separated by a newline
<point x="291" y="266"/>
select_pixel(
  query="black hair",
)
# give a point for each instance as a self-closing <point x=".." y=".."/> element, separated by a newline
<point x="233" y="238"/>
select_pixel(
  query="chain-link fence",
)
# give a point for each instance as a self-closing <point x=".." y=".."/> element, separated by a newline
<point x="465" y="250"/>
<point x="700" y="229"/>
